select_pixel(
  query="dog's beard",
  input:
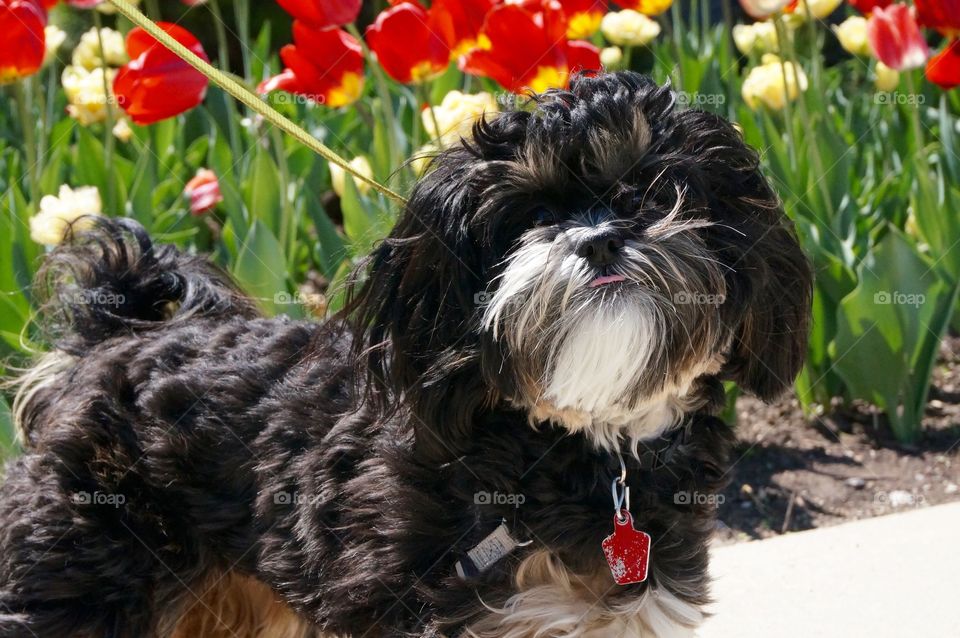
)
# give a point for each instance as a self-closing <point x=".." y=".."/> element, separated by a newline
<point x="614" y="359"/>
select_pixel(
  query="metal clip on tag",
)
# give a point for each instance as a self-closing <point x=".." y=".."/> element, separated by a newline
<point x="627" y="550"/>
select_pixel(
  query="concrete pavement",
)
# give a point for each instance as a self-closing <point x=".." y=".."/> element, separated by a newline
<point x="895" y="576"/>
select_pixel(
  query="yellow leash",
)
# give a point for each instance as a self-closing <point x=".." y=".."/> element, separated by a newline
<point x="245" y="95"/>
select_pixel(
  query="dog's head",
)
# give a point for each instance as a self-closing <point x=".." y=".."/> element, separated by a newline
<point x="590" y="259"/>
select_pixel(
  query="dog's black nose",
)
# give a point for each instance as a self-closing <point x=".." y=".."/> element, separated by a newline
<point x="599" y="246"/>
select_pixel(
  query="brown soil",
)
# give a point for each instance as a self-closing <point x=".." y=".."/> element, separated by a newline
<point x="796" y="473"/>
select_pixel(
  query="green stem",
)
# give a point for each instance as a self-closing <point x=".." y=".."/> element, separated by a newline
<point x="153" y="10"/>
<point x="816" y="59"/>
<point x="916" y="125"/>
<point x="787" y="107"/>
<point x="241" y="13"/>
<point x="386" y="101"/>
<point x="27" y="124"/>
<point x="786" y="44"/>
<point x="288" y="221"/>
<point x="677" y="32"/>
<point x="424" y="92"/>
<point x="224" y="55"/>
<point x="108" y="141"/>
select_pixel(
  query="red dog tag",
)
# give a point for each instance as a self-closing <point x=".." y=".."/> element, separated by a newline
<point x="627" y="550"/>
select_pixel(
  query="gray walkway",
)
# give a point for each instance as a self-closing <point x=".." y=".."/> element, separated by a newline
<point x="895" y="576"/>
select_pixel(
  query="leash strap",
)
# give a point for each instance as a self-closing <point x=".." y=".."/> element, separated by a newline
<point x="246" y="96"/>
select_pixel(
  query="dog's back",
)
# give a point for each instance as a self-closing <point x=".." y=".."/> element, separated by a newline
<point x="132" y="488"/>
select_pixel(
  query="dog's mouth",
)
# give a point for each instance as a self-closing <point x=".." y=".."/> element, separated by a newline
<point x="606" y="280"/>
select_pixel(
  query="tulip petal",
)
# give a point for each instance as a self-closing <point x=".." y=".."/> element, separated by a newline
<point x="23" y="46"/>
<point x="324" y="65"/>
<point x="408" y="43"/>
<point x="526" y="49"/>
<point x="156" y="84"/>
<point x="322" y="14"/>
<point x="895" y="38"/>
<point x="944" y="68"/>
<point x="583" y="57"/>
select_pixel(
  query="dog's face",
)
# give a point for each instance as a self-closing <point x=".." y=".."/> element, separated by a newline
<point x="591" y="260"/>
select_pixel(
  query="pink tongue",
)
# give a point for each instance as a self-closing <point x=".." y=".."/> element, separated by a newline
<point x="607" y="279"/>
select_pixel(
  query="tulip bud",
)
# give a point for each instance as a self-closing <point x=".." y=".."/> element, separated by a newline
<point x="629" y="28"/>
<point x="338" y="175"/>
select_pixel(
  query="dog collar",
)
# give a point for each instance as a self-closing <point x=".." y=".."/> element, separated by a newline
<point x="495" y="546"/>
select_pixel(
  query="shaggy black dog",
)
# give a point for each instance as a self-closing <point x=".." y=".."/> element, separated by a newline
<point x="564" y="294"/>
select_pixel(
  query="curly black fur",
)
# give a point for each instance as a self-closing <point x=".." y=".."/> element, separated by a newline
<point x="239" y="443"/>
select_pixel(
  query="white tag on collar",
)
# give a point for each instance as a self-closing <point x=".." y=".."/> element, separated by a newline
<point x="489" y="551"/>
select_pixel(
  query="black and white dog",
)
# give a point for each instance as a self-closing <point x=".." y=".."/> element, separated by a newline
<point x="549" y="324"/>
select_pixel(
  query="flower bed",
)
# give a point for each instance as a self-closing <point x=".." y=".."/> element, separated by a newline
<point x="850" y="105"/>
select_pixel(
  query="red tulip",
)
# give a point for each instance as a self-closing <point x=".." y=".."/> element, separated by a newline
<point x="527" y="49"/>
<point x="943" y="69"/>
<point x="23" y="45"/>
<point x="408" y="43"/>
<point x="156" y="84"/>
<point x="583" y="17"/>
<point x="942" y="15"/>
<point x="323" y="13"/>
<point x="324" y="65"/>
<point x="866" y="7"/>
<point x="582" y="56"/>
<point x="460" y="22"/>
<point x="896" y="39"/>
<point x="203" y="191"/>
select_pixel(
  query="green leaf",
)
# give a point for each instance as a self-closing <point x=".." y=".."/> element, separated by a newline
<point x="885" y="329"/>
<point x="261" y="269"/>
<point x="8" y="443"/>
<point x="265" y="191"/>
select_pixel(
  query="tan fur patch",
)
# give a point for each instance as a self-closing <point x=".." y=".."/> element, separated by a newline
<point x="236" y="606"/>
<point x="553" y="602"/>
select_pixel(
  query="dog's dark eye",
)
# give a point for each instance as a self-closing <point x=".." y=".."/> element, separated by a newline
<point x="543" y="216"/>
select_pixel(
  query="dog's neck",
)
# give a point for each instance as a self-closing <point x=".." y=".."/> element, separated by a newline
<point x="612" y="428"/>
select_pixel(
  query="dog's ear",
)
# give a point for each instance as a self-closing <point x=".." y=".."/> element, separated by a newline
<point x="769" y="285"/>
<point x="770" y="343"/>
<point x="413" y="304"/>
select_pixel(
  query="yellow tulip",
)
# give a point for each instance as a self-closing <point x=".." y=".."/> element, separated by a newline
<point x="819" y="9"/>
<point x="54" y="37"/>
<point x="87" y="53"/>
<point x="58" y="213"/>
<point x="759" y="36"/>
<point x="611" y="57"/>
<point x="886" y="79"/>
<point x="765" y="84"/>
<point x="852" y="34"/>
<point x="86" y="93"/>
<point x="338" y="176"/>
<point x="456" y="114"/>
<point x="629" y="28"/>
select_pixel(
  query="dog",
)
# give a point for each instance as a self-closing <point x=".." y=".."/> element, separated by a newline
<point x="509" y="431"/>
